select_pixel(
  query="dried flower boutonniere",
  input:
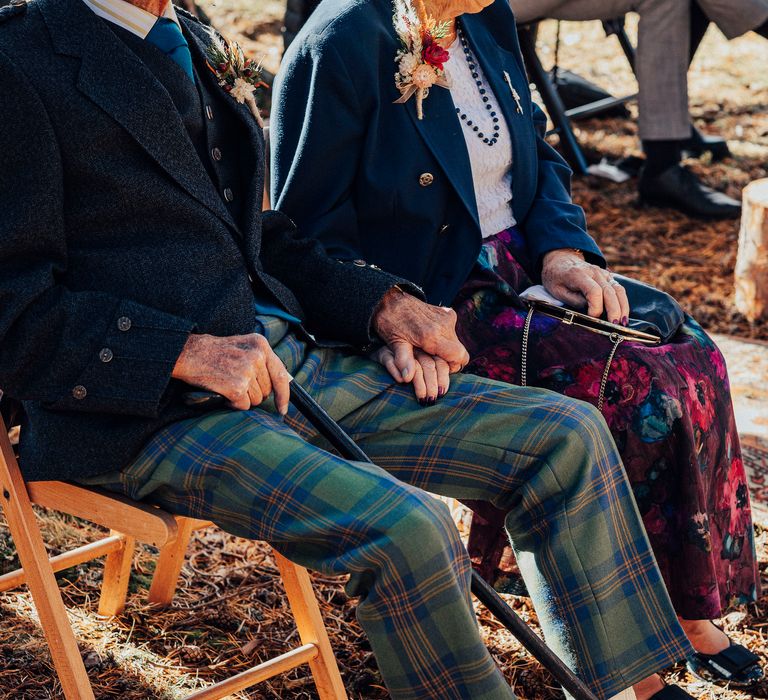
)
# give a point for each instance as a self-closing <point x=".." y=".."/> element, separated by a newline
<point x="238" y="75"/>
<point x="420" y="59"/>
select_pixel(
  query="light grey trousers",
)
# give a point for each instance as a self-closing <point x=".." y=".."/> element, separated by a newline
<point x="663" y="47"/>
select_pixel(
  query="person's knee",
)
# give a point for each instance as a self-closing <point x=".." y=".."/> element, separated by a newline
<point x="586" y="439"/>
<point x="425" y="532"/>
<point x="417" y="541"/>
<point x="429" y="521"/>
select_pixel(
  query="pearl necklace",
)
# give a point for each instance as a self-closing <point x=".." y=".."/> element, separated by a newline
<point x="489" y="141"/>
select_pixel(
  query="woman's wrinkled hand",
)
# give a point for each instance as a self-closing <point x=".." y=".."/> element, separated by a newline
<point x="571" y="279"/>
<point x="430" y="375"/>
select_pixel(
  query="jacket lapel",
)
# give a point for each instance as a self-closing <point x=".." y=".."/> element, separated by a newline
<point x="254" y="145"/>
<point x="441" y="130"/>
<point x="504" y="74"/>
<point x="115" y="79"/>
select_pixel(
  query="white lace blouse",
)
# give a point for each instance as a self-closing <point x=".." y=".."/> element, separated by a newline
<point x="491" y="165"/>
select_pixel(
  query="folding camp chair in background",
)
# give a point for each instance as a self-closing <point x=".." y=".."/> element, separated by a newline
<point x="562" y="117"/>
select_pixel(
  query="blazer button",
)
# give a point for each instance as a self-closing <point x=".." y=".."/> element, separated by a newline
<point x="106" y="355"/>
<point x="359" y="263"/>
<point x="124" y="323"/>
<point x="79" y="392"/>
<point x="426" y="179"/>
<point x="229" y="195"/>
<point x="216" y="153"/>
<point x="209" y="111"/>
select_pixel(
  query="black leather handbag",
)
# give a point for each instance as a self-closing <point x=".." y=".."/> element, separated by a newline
<point x="652" y="311"/>
<point x="655" y="318"/>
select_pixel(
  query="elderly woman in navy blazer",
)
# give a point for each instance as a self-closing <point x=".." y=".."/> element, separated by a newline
<point x="406" y="137"/>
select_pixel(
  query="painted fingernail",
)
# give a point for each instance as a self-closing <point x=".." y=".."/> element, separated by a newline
<point x="440" y="392"/>
<point x="432" y="401"/>
<point x="624" y="321"/>
<point x="422" y="402"/>
<point x="404" y="373"/>
<point x="616" y="322"/>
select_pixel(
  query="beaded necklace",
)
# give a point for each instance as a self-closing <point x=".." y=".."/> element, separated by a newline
<point x="488" y="140"/>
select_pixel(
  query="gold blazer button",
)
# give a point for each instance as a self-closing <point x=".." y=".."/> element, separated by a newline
<point x="426" y="179"/>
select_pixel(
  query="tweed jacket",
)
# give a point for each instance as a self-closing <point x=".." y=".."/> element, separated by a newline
<point x="115" y="245"/>
<point x="372" y="181"/>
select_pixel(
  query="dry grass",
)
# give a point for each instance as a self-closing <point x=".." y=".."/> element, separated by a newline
<point x="230" y="610"/>
<point x="229" y="613"/>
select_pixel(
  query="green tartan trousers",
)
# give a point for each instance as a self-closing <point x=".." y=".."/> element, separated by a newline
<point x="546" y="459"/>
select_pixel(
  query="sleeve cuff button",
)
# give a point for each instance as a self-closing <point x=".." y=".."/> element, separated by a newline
<point x="124" y="323"/>
<point x="79" y="392"/>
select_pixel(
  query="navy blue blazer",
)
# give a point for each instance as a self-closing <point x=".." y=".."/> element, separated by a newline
<point x="346" y="161"/>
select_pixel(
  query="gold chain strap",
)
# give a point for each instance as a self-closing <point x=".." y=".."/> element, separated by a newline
<point x="524" y="353"/>
<point x="616" y="339"/>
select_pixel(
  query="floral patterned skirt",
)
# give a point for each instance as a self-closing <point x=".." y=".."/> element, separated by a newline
<point x="670" y="413"/>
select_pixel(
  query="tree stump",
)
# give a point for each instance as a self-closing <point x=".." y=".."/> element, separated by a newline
<point x="751" y="273"/>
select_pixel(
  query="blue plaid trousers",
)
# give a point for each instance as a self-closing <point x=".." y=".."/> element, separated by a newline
<point x="546" y="459"/>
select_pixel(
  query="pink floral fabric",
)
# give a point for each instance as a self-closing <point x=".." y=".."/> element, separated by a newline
<point x="670" y="413"/>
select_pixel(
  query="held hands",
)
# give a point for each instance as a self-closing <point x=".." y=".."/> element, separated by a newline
<point x="422" y="347"/>
<point x="566" y="275"/>
<point x="421" y="344"/>
<point x="243" y="368"/>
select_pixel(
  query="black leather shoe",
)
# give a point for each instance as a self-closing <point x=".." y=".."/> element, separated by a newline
<point x="735" y="665"/>
<point x="699" y="144"/>
<point x="671" y="692"/>
<point x="679" y="188"/>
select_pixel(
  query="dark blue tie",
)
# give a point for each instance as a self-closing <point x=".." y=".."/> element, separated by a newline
<point x="167" y="36"/>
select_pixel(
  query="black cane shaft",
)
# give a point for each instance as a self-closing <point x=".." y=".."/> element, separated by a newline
<point x="485" y="593"/>
<point x="326" y="426"/>
<point x="488" y="596"/>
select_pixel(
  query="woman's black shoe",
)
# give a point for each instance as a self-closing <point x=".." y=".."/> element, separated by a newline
<point x="736" y="665"/>
<point x="679" y="188"/>
<point x="671" y="692"/>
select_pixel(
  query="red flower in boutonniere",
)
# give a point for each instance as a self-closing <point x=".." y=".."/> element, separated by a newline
<point x="435" y="55"/>
<point x="420" y="59"/>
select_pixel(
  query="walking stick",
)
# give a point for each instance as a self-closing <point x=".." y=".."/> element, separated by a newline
<point x="485" y="593"/>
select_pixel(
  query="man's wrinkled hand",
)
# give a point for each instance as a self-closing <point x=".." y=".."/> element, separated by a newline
<point x="242" y="368"/>
<point x="571" y="279"/>
<point x="405" y="324"/>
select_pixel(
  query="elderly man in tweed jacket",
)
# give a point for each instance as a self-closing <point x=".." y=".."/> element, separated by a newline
<point x="135" y="263"/>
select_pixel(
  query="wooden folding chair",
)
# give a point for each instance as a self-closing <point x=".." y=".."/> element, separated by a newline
<point x="560" y="116"/>
<point x="129" y="521"/>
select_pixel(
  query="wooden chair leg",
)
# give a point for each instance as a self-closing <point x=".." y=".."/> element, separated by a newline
<point x="169" y="564"/>
<point x="41" y="580"/>
<point x="117" y="574"/>
<point x="301" y="597"/>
